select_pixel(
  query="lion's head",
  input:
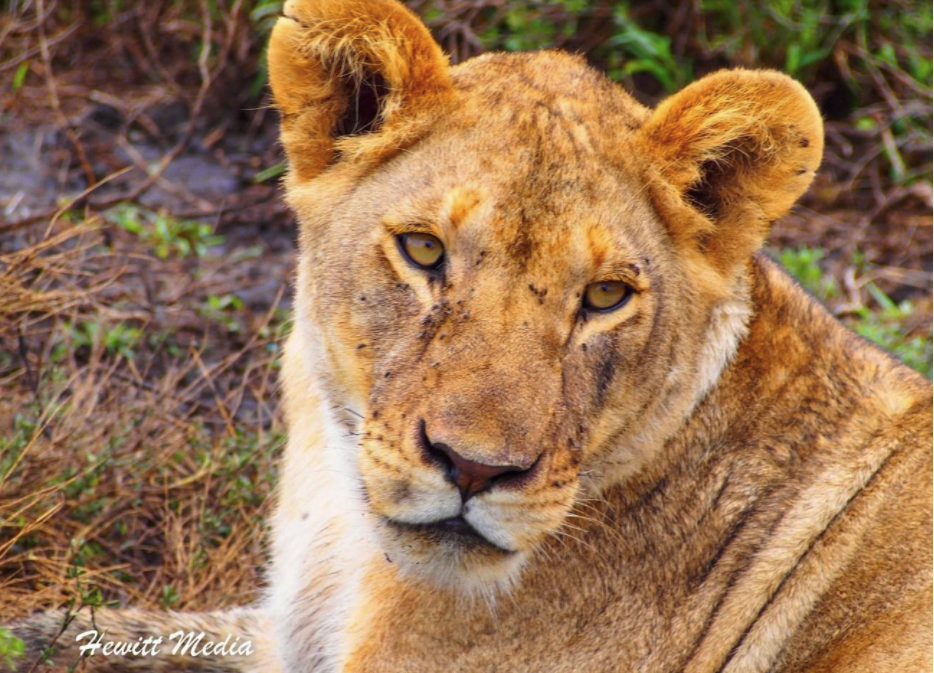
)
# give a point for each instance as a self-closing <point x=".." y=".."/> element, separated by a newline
<point x="519" y="279"/>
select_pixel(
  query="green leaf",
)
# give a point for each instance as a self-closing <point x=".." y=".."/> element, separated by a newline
<point x="11" y="648"/>
<point x="881" y="297"/>
<point x="793" y="59"/>
<point x="270" y="173"/>
<point x="20" y="75"/>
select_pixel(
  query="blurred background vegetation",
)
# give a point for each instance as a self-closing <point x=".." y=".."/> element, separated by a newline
<point x="145" y="254"/>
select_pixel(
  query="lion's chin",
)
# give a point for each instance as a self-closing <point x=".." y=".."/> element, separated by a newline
<point x="451" y="557"/>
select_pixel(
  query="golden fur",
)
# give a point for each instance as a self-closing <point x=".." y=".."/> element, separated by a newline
<point x="720" y="476"/>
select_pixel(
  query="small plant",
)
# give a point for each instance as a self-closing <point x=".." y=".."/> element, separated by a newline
<point x="804" y="265"/>
<point x="219" y="308"/>
<point x="11" y="648"/>
<point x="635" y="49"/>
<point x="884" y="325"/>
<point x="169" y="596"/>
<point x="240" y="467"/>
<point x="163" y="339"/>
<point x="117" y="339"/>
<point x="14" y="443"/>
<point x="795" y="35"/>
<point x="168" y="236"/>
<point x="886" y="328"/>
<point x="276" y="329"/>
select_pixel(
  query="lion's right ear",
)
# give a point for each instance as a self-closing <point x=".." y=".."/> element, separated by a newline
<point x="340" y="69"/>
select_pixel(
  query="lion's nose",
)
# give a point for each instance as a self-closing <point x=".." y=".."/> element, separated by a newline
<point x="469" y="476"/>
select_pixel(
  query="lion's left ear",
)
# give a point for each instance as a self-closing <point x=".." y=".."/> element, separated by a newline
<point x="733" y="152"/>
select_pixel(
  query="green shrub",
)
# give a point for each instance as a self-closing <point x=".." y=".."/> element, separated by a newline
<point x="885" y="323"/>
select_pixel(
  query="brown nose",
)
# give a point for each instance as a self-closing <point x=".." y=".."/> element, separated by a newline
<point x="469" y="476"/>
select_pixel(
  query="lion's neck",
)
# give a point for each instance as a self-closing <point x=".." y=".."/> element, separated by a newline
<point x="322" y="540"/>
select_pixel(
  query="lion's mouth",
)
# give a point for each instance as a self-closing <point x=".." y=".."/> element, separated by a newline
<point x="455" y="530"/>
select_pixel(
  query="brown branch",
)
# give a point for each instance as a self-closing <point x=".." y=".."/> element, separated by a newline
<point x="56" y="104"/>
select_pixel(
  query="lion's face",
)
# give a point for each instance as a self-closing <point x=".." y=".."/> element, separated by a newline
<point x="503" y="354"/>
<point x="505" y="312"/>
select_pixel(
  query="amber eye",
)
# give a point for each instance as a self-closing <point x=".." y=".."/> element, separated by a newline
<point x="423" y="250"/>
<point x="606" y="296"/>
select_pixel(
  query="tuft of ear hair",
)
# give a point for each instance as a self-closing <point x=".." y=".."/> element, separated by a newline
<point x="737" y="147"/>
<point x="342" y="69"/>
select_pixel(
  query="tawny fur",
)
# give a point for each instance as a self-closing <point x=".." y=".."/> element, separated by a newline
<point x="726" y="480"/>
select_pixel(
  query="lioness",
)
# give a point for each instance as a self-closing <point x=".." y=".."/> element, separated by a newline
<point x="549" y="407"/>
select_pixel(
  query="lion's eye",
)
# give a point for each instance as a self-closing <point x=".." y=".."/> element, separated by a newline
<point x="606" y="296"/>
<point x="423" y="250"/>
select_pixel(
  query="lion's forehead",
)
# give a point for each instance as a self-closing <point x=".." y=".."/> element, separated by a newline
<point x="560" y="85"/>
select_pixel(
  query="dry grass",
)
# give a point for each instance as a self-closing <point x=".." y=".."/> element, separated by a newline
<point x="138" y="428"/>
<point x="138" y="424"/>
